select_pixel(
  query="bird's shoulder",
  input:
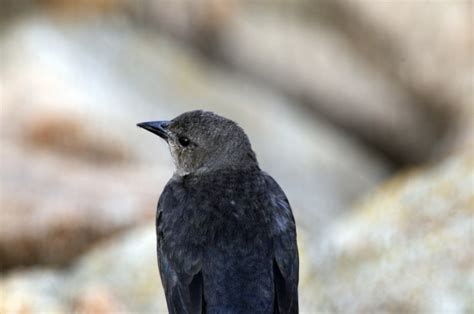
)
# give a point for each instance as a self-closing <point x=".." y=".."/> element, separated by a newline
<point x="214" y="186"/>
<point x="237" y="188"/>
<point x="285" y="249"/>
<point x="233" y="199"/>
<point x="279" y="204"/>
<point x="171" y="194"/>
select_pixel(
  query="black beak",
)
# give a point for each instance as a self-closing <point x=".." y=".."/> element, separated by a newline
<point x="157" y="127"/>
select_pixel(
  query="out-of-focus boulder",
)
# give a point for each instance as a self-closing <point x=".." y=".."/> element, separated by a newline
<point x="396" y="74"/>
<point x="118" y="275"/>
<point x="76" y="169"/>
<point x="32" y="291"/>
<point x="407" y="248"/>
<point x="315" y="64"/>
<point x="69" y="172"/>
<point x="434" y="62"/>
<point x="124" y="269"/>
<point x="53" y="208"/>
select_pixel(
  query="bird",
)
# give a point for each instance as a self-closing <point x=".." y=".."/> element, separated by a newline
<point x="226" y="234"/>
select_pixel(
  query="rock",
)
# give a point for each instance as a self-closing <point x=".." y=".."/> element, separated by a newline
<point x="118" y="275"/>
<point x="53" y="209"/>
<point x="31" y="292"/>
<point x="126" y="268"/>
<point x="76" y="174"/>
<point x="358" y="64"/>
<point x="60" y="168"/>
<point x="330" y="79"/>
<point x="440" y="27"/>
<point x="406" y="248"/>
<point x="64" y="134"/>
<point x="75" y="168"/>
<point x="98" y="300"/>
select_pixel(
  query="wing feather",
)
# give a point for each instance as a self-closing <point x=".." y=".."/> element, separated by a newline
<point x="182" y="281"/>
<point x="285" y="267"/>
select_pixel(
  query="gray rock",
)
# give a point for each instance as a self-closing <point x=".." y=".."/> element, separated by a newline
<point x="118" y="275"/>
<point x="32" y="291"/>
<point x="386" y="72"/>
<point x="407" y="248"/>
<point x="75" y="168"/>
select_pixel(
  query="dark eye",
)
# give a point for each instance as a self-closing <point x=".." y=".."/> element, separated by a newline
<point x="184" y="141"/>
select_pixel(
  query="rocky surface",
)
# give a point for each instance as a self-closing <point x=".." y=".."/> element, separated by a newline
<point x="405" y="92"/>
<point x="406" y="248"/>
<point x="79" y="182"/>
<point x="358" y="64"/>
<point x="76" y="169"/>
<point x="119" y="275"/>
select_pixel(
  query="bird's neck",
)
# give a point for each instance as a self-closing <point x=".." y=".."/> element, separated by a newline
<point x="219" y="171"/>
<point x="243" y="161"/>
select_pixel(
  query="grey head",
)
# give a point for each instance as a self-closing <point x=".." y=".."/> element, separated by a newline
<point x="202" y="142"/>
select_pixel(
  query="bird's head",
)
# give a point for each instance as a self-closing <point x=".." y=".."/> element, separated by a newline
<point x="201" y="142"/>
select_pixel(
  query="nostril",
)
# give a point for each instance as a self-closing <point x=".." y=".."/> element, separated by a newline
<point x="164" y="124"/>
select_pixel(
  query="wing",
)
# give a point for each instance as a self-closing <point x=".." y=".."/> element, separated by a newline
<point x="180" y="273"/>
<point x="285" y="264"/>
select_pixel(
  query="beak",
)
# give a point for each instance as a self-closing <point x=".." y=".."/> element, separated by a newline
<point x="157" y="127"/>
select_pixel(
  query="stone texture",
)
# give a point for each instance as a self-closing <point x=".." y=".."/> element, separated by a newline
<point x="53" y="209"/>
<point x="76" y="169"/>
<point x="116" y="276"/>
<point x="397" y="74"/>
<point x="32" y="291"/>
<point x="406" y="248"/>
<point x="76" y="174"/>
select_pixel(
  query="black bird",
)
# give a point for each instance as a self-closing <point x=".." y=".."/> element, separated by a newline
<point x="226" y="236"/>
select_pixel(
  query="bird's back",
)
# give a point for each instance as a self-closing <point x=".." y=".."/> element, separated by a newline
<point x="215" y="243"/>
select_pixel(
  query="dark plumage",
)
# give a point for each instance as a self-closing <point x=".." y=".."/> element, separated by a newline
<point x="226" y="235"/>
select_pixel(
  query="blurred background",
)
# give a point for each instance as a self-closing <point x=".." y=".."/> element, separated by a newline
<point x="362" y="110"/>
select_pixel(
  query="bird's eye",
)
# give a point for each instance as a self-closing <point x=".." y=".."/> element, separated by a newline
<point x="184" y="141"/>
